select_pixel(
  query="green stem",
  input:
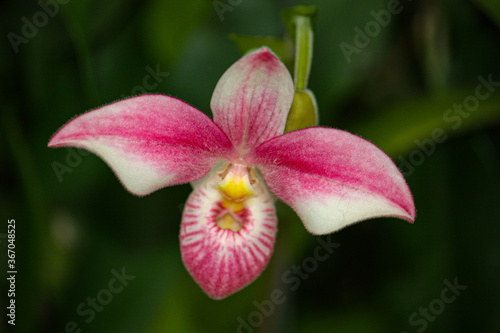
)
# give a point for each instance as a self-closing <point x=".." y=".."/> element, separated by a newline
<point x="303" y="51"/>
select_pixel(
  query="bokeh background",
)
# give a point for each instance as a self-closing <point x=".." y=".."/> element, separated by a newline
<point x="78" y="225"/>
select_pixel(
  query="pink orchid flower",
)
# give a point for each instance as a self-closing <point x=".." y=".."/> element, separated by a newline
<point x="331" y="178"/>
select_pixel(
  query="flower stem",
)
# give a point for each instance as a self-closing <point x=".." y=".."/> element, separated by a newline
<point x="304" y="111"/>
<point x="303" y="51"/>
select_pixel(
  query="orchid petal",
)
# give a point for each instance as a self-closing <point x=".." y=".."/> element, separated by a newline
<point x="252" y="99"/>
<point x="150" y="141"/>
<point x="332" y="178"/>
<point x="222" y="260"/>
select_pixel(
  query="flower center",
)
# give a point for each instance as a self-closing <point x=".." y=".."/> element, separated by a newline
<point x="236" y="186"/>
<point x="237" y="182"/>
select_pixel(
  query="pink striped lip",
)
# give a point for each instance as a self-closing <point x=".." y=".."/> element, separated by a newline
<point x="223" y="260"/>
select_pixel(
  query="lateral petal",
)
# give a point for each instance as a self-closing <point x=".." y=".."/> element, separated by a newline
<point x="332" y="178"/>
<point x="150" y="141"/>
<point x="252" y="99"/>
<point x="226" y="245"/>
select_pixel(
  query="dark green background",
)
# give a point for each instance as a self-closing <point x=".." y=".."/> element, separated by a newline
<point x="72" y="233"/>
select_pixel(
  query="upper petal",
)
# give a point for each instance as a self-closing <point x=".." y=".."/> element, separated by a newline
<point x="332" y="178"/>
<point x="150" y="141"/>
<point x="252" y="99"/>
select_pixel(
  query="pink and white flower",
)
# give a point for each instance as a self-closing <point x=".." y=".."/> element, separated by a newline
<point x="236" y="162"/>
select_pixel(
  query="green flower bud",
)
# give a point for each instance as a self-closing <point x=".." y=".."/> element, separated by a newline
<point x="304" y="111"/>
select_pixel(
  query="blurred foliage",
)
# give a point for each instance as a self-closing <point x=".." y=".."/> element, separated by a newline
<point x="492" y="8"/>
<point x="74" y="230"/>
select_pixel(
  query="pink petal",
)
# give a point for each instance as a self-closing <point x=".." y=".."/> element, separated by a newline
<point x="223" y="261"/>
<point x="252" y="99"/>
<point x="150" y="142"/>
<point x="332" y="178"/>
